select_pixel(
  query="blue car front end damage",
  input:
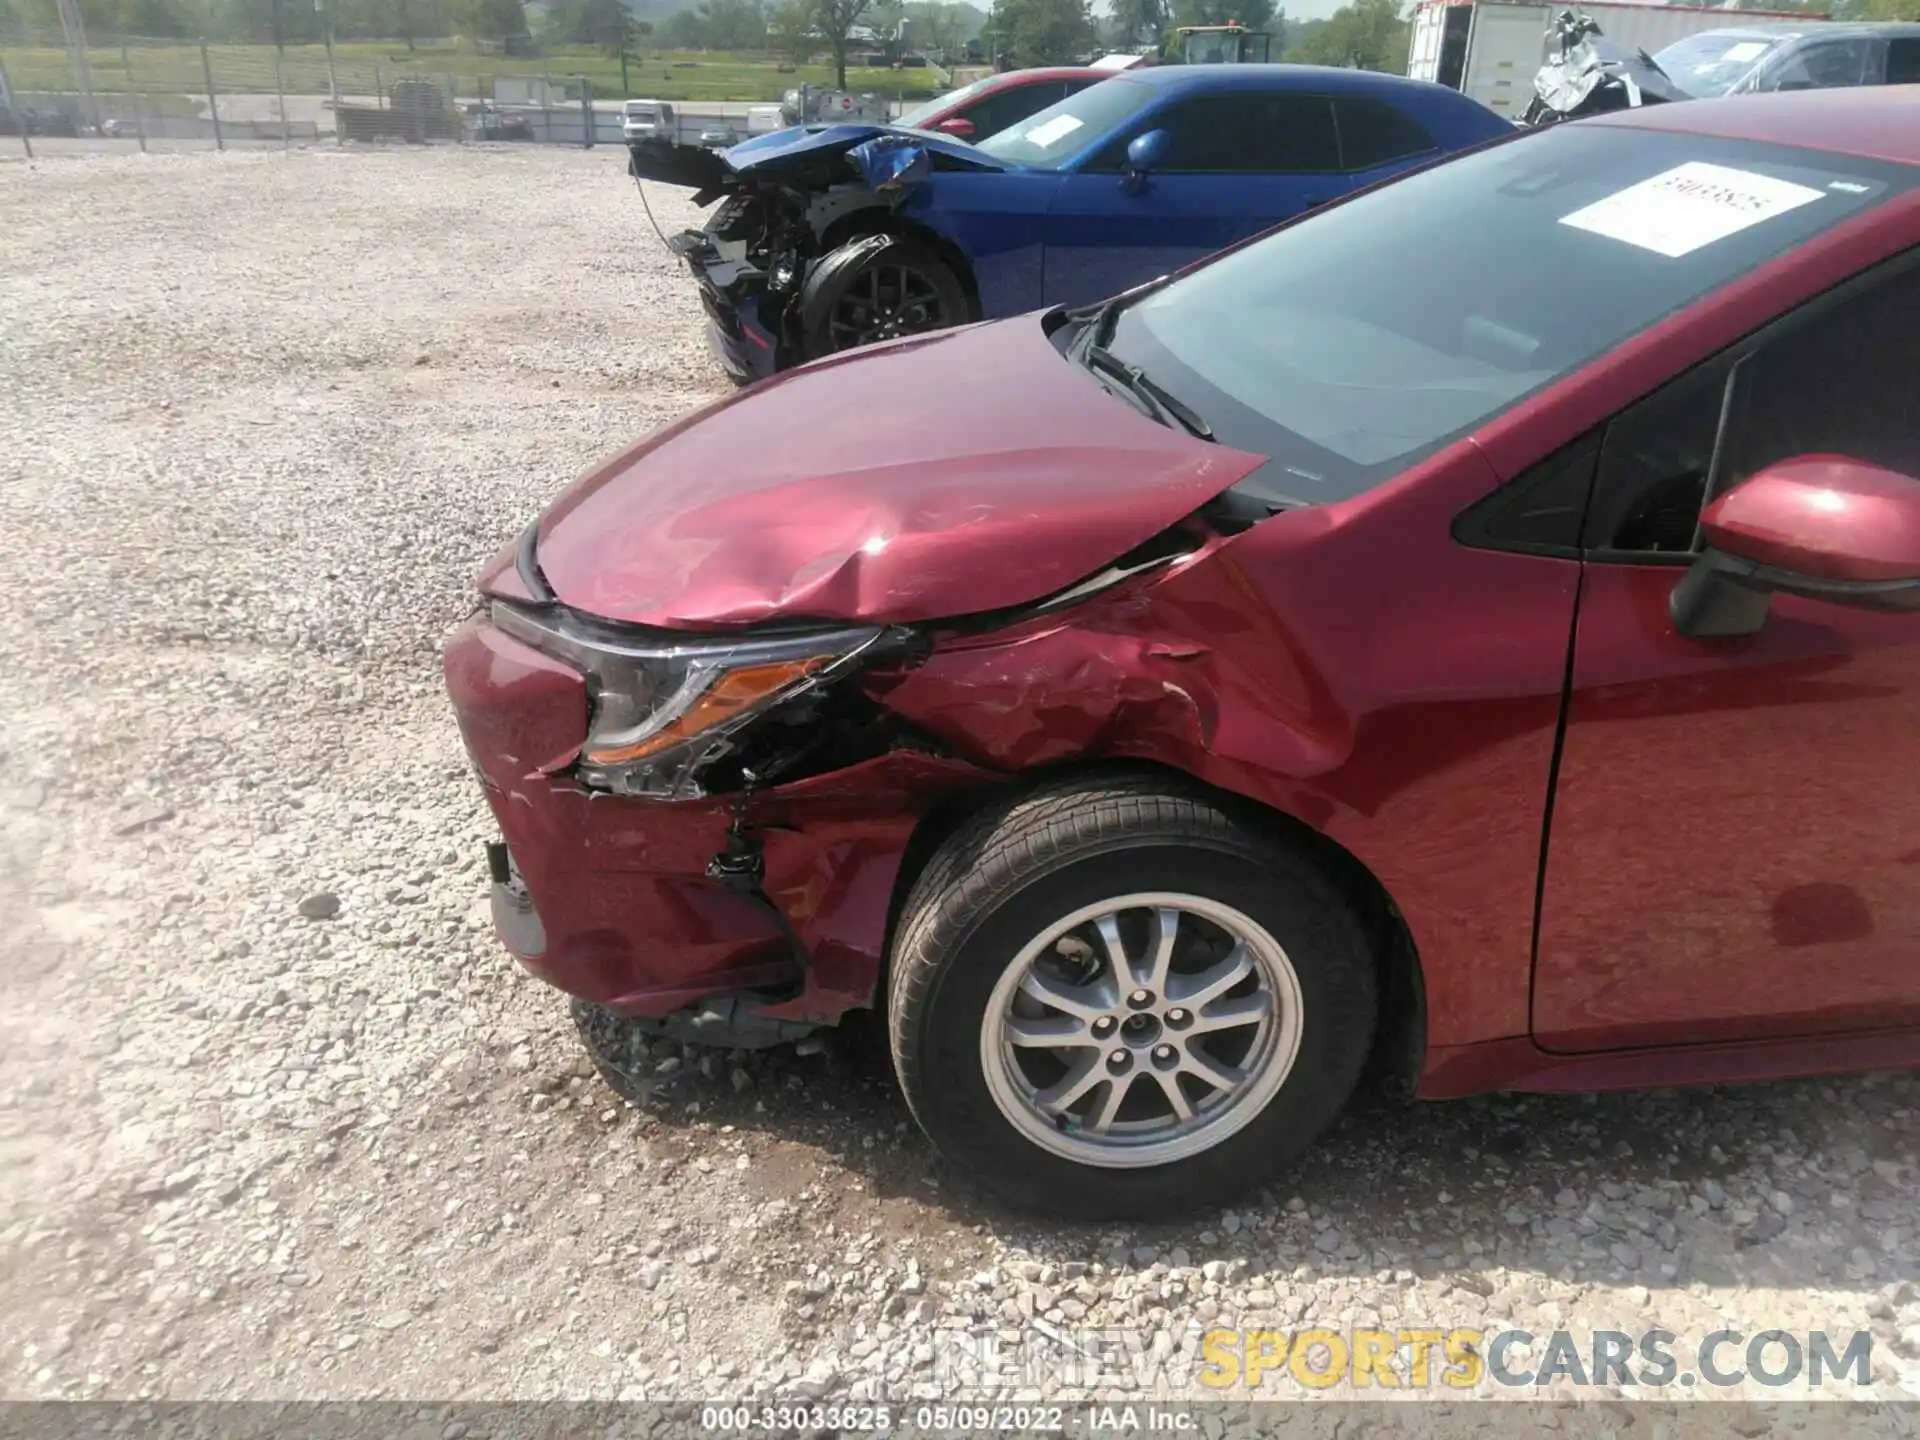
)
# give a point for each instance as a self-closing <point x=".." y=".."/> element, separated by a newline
<point x="799" y="211"/>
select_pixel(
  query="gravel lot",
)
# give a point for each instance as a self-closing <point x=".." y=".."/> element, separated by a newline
<point x="261" y="419"/>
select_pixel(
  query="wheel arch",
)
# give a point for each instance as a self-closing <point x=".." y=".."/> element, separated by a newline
<point x="880" y="220"/>
<point x="1399" y="1046"/>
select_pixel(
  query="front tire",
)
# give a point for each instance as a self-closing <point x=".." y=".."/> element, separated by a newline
<point x="1110" y="999"/>
<point x="903" y="289"/>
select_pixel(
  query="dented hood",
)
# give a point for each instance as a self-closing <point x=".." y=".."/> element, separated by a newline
<point x="714" y="173"/>
<point x="799" y="143"/>
<point x="933" y="477"/>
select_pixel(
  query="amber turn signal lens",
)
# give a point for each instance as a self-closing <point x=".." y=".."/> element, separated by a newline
<point x="733" y="692"/>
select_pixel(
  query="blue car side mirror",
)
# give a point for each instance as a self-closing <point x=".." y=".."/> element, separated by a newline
<point x="1143" y="154"/>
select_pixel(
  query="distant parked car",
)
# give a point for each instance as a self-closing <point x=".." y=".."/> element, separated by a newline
<point x="649" y="120"/>
<point x="490" y="122"/>
<point x="1744" y="60"/>
<point x="719" y="136"/>
<point x="986" y="107"/>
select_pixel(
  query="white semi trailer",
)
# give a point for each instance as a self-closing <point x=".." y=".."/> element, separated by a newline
<point x="1491" y="49"/>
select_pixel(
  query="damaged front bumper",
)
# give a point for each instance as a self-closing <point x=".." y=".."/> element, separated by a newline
<point x="770" y="910"/>
<point x="760" y="322"/>
<point x="732" y="293"/>
<point x="762" y="277"/>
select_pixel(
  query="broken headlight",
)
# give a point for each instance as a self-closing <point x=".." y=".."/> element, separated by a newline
<point x="662" y="709"/>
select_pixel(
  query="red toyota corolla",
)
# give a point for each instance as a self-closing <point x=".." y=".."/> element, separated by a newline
<point x="1476" y="627"/>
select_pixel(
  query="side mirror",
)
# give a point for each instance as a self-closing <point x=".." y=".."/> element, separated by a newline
<point x="1822" y="526"/>
<point x="1144" y="153"/>
<point x="959" y="127"/>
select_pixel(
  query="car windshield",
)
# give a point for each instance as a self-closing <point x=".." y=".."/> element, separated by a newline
<point x="920" y="114"/>
<point x="1353" y="343"/>
<point x="1707" y="65"/>
<point x="1055" y="135"/>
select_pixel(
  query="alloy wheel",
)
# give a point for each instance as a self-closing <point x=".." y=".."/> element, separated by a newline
<point x="1141" y="1030"/>
<point x="884" y="302"/>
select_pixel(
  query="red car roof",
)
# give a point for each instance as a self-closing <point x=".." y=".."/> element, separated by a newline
<point x="1013" y="79"/>
<point x="1881" y="122"/>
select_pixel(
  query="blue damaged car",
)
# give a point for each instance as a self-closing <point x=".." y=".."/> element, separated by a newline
<point x="831" y="236"/>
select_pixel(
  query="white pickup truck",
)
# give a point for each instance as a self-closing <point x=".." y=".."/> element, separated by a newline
<point x="649" y="120"/>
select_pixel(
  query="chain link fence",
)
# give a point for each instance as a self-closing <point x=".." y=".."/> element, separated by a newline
<point x="190" y="94"/>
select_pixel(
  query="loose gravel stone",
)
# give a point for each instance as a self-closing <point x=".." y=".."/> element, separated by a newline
<point x="321" y="906"/>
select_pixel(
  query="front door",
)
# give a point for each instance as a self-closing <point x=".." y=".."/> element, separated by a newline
<point x="1734" y="845"/>
<point x="1236" y="163"/>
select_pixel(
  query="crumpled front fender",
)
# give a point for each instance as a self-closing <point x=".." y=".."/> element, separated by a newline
<point x="890" y="162"/>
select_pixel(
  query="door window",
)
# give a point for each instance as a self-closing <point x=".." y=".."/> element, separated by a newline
<point x="1903" y="62"/>
<point x="1844" y="378"/>
<point x="1240" y="134"/>
<point x="1823" y="65"/>
<point x="1372" y="133"/>
<point x="1010" y="107"/>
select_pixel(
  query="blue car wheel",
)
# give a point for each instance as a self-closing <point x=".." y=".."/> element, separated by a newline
<point x="903" y="289"/>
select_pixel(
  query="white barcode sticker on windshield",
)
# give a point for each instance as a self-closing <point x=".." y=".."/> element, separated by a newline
<point x="1053" y="131"/>
<point x="1690" y="206"/>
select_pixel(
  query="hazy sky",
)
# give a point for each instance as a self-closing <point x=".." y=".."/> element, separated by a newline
<point x="1311" y="9"/>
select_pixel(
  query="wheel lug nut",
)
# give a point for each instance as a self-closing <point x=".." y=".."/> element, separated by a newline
<point x="1119" y="1060"/>
<point x="1140" y="999"/>
<point x="1177" y="1016"/>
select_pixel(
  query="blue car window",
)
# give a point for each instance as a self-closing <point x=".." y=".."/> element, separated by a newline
<point x="1903" y="62"/>
<point x="1373" y="133"/>
<point x="1822" y="65"/>
<point x="1243" y="133"/>
<point x="1049" y="139"/>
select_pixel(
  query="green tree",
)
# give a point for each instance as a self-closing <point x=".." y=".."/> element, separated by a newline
<point x="605" y="23"/>
<point x="835" y="19"/>
<point x="1366" y="35"/>
<point x="684" y="30"/>
<point x="1139" y="22"/>
<point x="107" y="18"/>
<point x="1043" y="32"/>
<point x="944" y="28"/>
<point x="883" y="18"/>
<point x="790" y="30"/>
<point x="490" y="19"/>
<point x="149" y="17"/>
<point x="734" y="24"/>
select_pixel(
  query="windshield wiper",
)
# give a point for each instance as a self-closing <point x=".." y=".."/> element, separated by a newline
<point x="1099" y="320"/>
<point x="1165" y="405"/>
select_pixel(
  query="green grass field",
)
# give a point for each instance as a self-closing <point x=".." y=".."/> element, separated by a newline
<point x="361" y="68"/>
